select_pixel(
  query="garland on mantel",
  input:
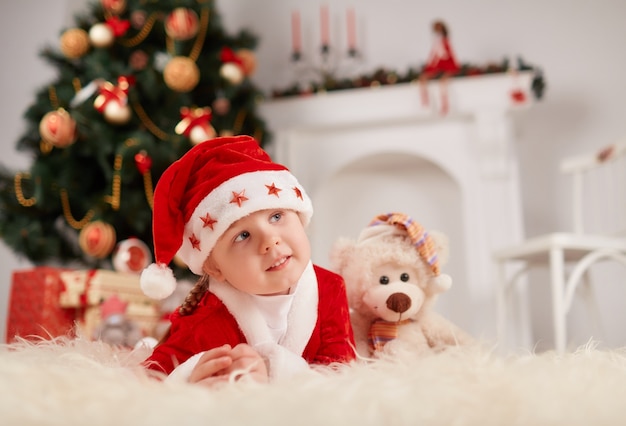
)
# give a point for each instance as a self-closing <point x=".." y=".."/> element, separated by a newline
<point x="382" y="77"/>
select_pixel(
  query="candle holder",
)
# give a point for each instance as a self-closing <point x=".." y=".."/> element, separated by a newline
<point x="326" y="69"/>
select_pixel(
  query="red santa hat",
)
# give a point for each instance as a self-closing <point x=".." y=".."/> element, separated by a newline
<point x="198" y="197"/>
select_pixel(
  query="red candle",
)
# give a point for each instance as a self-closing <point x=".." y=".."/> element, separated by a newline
<point x="296" y="40"/>
<point x="324" y="25"/>
<point x="351" y="28"/>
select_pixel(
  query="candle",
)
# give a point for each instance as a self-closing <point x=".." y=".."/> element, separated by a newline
<point x="351" y="29"/>
<point x="324" y="26"/>
<point x="296" y="41"/>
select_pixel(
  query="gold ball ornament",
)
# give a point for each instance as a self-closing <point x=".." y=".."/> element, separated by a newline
<point x="101" y="35"/>
<point x="116" y="113"/>
<point x="182" y="24"/>
<point x="131" y="256"/>
<point x="181" y="74"/>
<point x="248" y="60"/>
<point x="97" y="239"/>
<point x="232" y="72"/>
<point x="58" y="128"/>
<point x="74" y="43"/>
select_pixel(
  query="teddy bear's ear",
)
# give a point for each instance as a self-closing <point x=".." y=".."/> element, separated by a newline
<point x="441" y="245"/>
<point x="340" y="253"/>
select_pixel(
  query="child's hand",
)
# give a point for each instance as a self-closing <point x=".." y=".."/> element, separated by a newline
<point x="212" y="367"/>
<point x="246" y="360"/>
<point x="215" y="366"/>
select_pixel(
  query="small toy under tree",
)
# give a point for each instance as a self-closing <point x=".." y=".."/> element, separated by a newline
<point x="139" y="82"/>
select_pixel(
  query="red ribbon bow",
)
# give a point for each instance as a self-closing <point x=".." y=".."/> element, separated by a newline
<point x="192" y="117"/>
<point x="227" y="55"/>
<point x="118" y="26"/>
<point x="110" y="92"/>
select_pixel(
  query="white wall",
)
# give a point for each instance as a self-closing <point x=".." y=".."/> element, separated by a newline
<point x="578" y="44"/>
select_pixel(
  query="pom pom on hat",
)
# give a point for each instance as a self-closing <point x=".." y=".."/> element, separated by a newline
<point x="157" y="281"/>
<point x="401" y="224"/>
<point x="199" y="196"/>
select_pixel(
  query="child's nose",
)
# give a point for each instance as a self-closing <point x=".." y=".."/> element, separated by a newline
<point x="270" y="242"/>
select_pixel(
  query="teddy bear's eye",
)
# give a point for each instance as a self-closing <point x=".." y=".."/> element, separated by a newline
<point x="404" y="277"/>
<point x="384" y="280"/>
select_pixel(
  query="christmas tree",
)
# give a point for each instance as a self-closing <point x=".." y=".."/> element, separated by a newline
<point x="139" y="82"/>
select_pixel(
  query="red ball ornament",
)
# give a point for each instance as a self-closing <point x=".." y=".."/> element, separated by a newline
<point x="131" y="256"/>
<point x="97" y="239"/>
<point x="182" y="24"/>
<point x="58" y="128"/>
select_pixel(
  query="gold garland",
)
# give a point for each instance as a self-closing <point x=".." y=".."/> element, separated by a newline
<point x="199" y="43"/>
<point x="239" y="119"/>
<point x="19" y="193"/>
<point x="67" y="213"/>
<point x="52" y="94"/>
<point x="148" y="188"/>
<point x="141" y="35"/>
<point x="152" y="128"/>
<point x="114" y="198"/>
<point x="116" y="190"/>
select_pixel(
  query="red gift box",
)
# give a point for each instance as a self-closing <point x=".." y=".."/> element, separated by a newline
<point x="34" y="309"/>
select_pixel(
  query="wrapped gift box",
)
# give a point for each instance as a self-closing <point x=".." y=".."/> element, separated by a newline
<point x="34" y="310"/>
<point x="87" y="289"/>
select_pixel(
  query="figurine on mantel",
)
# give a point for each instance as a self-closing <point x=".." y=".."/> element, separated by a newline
<point x="441" y="62"/>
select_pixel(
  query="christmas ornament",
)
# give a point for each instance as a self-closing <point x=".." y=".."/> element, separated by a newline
<point x="74" y="43"/>
<point x="138" y="60"/>
<point x="248" y="61"/>
<point x="196" y="124"/>
<point x="97" y="239"/>
<point x="182" y="24"/>
<point x="118" y="26"/>
<point x="131" y="256"/>
<point x="116" y="7"/>
<point x="138" y="18"/>
<point x="101" y="35"/>
<point x="181" y="74"/>
<point x="112" y="101"/>
<point x="143" y="162"/>
<point x="232" y="68"/>
<point x="58" y="128"/>
<point x="221" y="105"/>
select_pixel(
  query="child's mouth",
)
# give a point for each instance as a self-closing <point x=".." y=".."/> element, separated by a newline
<point x="279" y="263"/>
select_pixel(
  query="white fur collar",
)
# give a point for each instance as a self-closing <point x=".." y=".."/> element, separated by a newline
<point x="300" y="320"/>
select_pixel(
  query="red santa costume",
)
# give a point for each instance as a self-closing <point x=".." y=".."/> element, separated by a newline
<point x="193" y="207"/>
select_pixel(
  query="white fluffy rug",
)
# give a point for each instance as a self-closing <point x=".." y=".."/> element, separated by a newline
<point x="76" y="382"/>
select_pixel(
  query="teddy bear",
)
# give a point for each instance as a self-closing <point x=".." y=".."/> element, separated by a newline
<point x="393" y="278"/>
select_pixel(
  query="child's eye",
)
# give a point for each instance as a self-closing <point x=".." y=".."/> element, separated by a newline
<point x="276" y="217"/>
<point x="242" y="236"/>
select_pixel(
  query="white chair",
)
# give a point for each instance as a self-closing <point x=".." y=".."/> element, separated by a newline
<point x="599" y="201"/>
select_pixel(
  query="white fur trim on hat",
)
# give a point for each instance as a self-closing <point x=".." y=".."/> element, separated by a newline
<point x="260" y="190"/>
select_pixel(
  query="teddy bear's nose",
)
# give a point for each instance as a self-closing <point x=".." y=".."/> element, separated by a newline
<point x="399" y="302"/>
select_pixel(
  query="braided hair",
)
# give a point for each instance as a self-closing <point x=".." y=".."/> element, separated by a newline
<point x="195" y="295"/>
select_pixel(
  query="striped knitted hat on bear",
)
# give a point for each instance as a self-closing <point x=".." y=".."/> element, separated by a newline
<point x="401" y="224"/>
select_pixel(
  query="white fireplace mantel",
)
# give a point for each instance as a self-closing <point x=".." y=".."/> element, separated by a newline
<point x="361" y="152"/>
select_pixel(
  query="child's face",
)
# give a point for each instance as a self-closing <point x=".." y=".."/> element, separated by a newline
<point x="263" y="253"/>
